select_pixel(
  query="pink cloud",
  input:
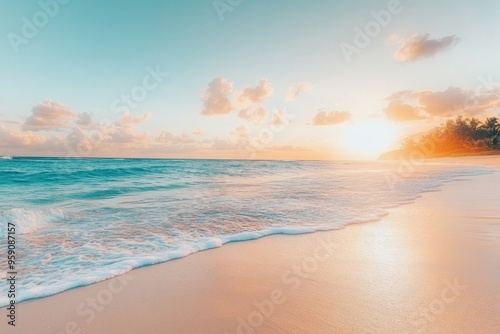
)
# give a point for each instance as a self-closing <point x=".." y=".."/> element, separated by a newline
<point x="295" y="92"/>
<point x="253" y="95"/>
<point x="399" y="111"/>
<point x="254" y="116"/>
<point x="414" y="105"/>
<point x="127" y="120"/>
<point x="331" y="118"/>
<point x="421" y="46"/>
<point x="216" y="98"/>
<point x="10" y="138"/>
<point x="49" y="115"/>
<point x="455" y="101"/>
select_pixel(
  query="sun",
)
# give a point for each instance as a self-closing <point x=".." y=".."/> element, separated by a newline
<point x="369" y="139"/>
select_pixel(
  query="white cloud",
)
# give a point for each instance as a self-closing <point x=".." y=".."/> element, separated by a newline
<point x="49" y="115"/>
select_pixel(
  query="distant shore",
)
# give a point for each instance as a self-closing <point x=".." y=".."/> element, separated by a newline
<point x="418" y="154"/>
<point x="456" y="138"/>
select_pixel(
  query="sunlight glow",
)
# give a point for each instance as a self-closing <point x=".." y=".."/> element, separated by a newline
<point x="370" y="138"/>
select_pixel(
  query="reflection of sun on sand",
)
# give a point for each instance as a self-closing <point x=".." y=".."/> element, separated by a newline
<point x="428" y="267"/>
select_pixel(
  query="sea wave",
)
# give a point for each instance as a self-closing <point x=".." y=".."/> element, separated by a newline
<point x="121" y="266"/>
<point x="28" y="221"/>
<point x="83" y="221"/>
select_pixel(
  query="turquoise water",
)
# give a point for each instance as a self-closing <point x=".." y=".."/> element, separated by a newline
<point x="80" y="221"/>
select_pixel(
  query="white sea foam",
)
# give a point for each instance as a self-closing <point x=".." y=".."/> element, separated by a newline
<point x="28" y="221"/>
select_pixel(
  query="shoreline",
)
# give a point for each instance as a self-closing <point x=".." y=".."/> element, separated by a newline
<point x="192" y="282"/>
<point x="214" y="243"/>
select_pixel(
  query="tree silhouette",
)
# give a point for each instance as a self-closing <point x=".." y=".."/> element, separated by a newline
<point x="459" y="136"/>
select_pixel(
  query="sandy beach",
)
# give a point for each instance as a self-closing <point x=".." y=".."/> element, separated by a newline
<point x="432" y="266"/>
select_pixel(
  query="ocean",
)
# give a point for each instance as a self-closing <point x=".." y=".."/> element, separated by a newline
<point x="81" y="221"/>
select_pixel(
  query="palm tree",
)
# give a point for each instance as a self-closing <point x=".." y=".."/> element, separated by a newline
<point x="472" y="131"/>
<point x="491" y="125"/>
<point x="491" y="128"/>
<point x="408" y="144"/>
<point x="459" y="136"/>
<point x="474" y="124"/>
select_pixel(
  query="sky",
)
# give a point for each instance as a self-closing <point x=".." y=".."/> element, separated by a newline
<point x="243" y="79"/>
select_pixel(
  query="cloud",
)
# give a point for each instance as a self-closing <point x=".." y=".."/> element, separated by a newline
<point x="120" y="141"/>
<point x="84" y="120"/>
<point x="399" y="111"/>
<point x="455" y="101"/>
<point x="78" y="135"/>
<point x="164" y="137"/>
<point x="175" y="143"/>
<point x="399" y="95"/>
<point x="49" y="115"/>
<point x="78" y="141"/>
<point x="255" y="95"/>
<point x="19" y="139"/>
<point x="331" y="118"/>
<point x="216" y="98"/>
<point x="279" y="119"/>
<point x="127" y="120"/>
<point x="198" y="132"/>
<point x="81" y="135"/>
<point x="414" y="105"/>
<point x="240" y="132"/>
<point x="129" y="137"/>
<point x="254" y="116"/>
<point x="294" y="92"/>
<point x="11" y="122"/>
<point x="223" y="144"/>
<point x="421" y="46"/>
